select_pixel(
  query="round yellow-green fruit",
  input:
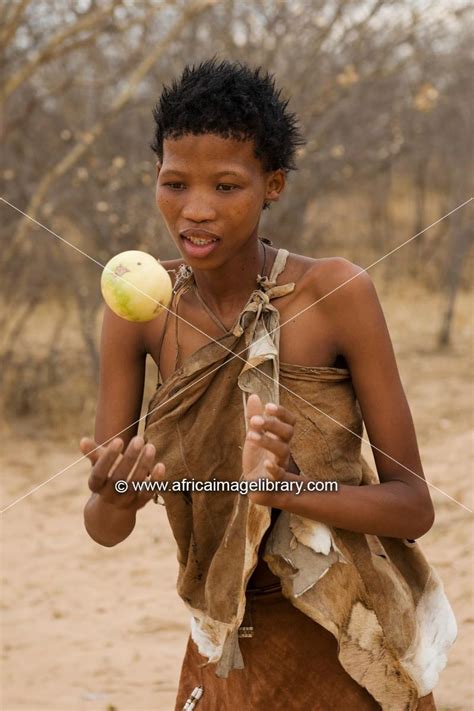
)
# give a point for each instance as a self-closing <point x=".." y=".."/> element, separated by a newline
<point x="135" y="286"/>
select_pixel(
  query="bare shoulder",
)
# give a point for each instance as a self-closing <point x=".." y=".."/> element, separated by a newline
<point x="338" y="277"/>
<point x="348" y="298"/>
<point x="118" y="332"/>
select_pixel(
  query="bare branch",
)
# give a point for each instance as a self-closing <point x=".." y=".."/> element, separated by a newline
<point x="56" y="44"/>
<point x="82" y="146"/>
<point x="11" y="25"/>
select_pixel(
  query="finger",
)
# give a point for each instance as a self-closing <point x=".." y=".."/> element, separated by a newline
<point x="274" y="470"/>
<point x="102" y="467"/>
<point x="253" y="407"/>
<point x="90" y="448"/>
<point x="281" y="412"/>
<point x="143" y="464"/>
<point x="93" y="450"/>
<point x="157" y="475"/>
<point x="128" y="461"/>
<point x="272" y="444"/>
<point x="271" y="424"/>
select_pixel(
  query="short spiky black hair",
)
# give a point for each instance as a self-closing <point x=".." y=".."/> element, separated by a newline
<point x="233" y="101"/>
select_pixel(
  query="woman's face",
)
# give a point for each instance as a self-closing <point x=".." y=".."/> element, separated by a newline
<point x="215" y="185"/>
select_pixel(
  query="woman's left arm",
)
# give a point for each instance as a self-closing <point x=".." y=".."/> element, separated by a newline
<point x="400" y="506"/>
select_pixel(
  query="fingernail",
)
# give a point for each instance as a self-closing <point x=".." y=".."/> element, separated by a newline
<point x="257" y="420"/>
<point x="254" y="435"/>
<point x="271" y="407"/>
<point x="137" y="444"/>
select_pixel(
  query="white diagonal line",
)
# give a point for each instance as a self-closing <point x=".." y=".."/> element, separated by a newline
<point x="194" y="382"/>
<point x="234" y="355"/>
<point x="377" y="448"/>
<point x="73" y="246"/>
<point x="377" y="261"/>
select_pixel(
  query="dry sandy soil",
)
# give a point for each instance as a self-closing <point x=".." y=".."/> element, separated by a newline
<point x="102" y="629"/>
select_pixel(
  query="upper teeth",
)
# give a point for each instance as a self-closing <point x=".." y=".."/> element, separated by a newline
<point x="200" y="240"/>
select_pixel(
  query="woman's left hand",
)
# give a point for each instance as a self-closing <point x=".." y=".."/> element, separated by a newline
<point x="266" y="453"/>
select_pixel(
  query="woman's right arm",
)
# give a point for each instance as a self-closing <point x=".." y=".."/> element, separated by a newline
<point x="109" y="516"/>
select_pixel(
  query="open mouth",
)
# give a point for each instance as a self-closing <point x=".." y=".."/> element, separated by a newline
<point x="199" y="247"/>
<point x="199" y="241"/>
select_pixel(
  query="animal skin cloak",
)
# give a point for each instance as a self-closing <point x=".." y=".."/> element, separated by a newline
<point x="379" y="597"/>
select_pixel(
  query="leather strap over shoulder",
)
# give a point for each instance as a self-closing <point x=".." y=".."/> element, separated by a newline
<point x="268" y="284"/>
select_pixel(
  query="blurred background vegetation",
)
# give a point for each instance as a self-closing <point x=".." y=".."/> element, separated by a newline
<point x="383" y="90"/>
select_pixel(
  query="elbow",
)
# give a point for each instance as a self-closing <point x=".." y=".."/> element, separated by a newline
<point x="418" y="511"/>
<point x="423" y="518"/>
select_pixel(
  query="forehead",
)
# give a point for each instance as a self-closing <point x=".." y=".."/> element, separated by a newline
<point x="211" y="153"/>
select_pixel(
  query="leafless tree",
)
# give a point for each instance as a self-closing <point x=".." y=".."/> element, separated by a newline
<point x="381" y="88"/>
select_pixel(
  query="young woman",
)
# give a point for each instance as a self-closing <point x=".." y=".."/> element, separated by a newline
<point x="314" y="595"/>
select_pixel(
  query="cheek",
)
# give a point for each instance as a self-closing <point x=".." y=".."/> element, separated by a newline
<point x="164" y="203"/>
<point x="248" y="206"/>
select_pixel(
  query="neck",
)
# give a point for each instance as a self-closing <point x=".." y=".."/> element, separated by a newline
<point x="229" y="285"/>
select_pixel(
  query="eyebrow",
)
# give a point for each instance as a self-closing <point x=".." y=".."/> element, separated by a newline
<point x="215" y="175"/>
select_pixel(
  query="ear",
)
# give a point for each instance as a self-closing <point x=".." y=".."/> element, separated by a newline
<point x="158" y="168"/>
<point x="275" y="185"/>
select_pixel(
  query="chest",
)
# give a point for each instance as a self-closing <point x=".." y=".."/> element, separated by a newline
<point x="306" y="333"/>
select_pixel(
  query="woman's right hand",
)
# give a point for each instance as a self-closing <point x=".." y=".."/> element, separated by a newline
<point x="109" y="466"/>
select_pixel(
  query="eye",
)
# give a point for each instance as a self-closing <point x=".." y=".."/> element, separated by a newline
<point x="176" y="186"/>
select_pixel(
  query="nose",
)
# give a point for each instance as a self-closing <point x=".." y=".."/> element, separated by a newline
<point x="198" y="209"/>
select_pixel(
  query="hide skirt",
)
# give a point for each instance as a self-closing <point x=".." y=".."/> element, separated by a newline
<point x="290" y="664"/>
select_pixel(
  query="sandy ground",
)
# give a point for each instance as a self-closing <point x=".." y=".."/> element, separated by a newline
<point x="93" y="628"/>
